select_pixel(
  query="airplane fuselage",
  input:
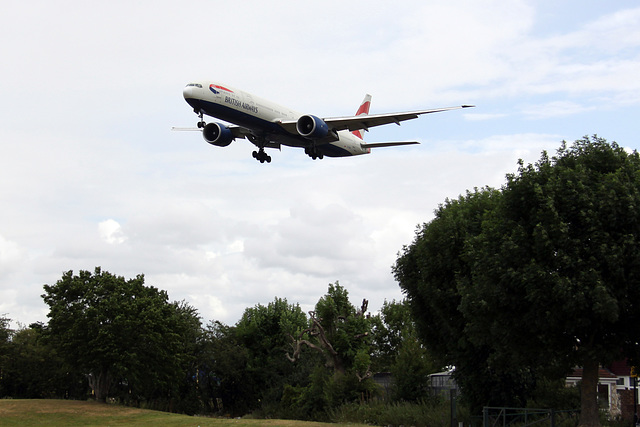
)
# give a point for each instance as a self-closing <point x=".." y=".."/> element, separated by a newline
<point x="264" y="118"/>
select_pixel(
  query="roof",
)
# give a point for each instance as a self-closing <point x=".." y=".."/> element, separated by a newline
<point x="621" y="368"/>
<point x="603" y="373"/>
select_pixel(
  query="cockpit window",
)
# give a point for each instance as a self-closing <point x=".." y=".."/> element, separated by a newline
<point x="198" y="85"/>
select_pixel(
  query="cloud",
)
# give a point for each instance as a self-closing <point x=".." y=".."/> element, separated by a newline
<point x="111" y="232"/>
<point x="483" y="117"/>
<point x="555" y="109"/>
<point x="321" y="242"/>
<point x="11" y="257"/>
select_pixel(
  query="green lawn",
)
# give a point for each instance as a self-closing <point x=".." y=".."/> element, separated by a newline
<point x="75" y="413"/>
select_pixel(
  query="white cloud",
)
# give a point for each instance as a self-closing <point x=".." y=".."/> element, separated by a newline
<point x="11" y="257"/>
<point x="111" y="232"/>
<point x="555" y="109"/>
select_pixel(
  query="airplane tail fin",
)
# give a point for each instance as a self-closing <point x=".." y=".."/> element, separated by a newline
<point x="363" y="109"/>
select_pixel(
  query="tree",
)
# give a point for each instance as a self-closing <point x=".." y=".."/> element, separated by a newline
<point x="429" y="271"/>
<point x="545" y="273"/>
<point x="243" y="367"/>
<point x="35" y="371"/>
<point x="398" y="350"/>
<point x="264" y="332"/>
<point x="5" y="349"/>
<point x="121" y="333"/>
<point x="342" y="335"/>
<point x="224" y="382"/>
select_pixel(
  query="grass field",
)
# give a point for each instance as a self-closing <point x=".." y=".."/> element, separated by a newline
<point x="75" y="413"/>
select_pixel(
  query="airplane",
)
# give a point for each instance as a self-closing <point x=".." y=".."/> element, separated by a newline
<point x="269" y="125"/>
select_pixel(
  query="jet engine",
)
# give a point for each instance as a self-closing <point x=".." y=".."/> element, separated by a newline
<point x="312" y="127"/>
<point x="217" y="134"/>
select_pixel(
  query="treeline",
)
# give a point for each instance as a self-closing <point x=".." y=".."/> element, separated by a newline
<point x="117" y="339"/>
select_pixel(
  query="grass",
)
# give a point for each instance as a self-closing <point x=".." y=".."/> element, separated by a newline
<point x="26" y="413"/>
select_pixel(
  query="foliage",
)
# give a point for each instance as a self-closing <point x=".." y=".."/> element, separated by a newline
<point x="244" y="367"/>
<point x="513" y="284"/>
<point x="342" y="330"/>
<point x="5" y="357"/>
<point x="122" y="334"/>
<point x="435" y="412"/>
<point x="34" y="370"/>
<point x="137" y="348"/>
<point x="398" y="350"/>
<point x="553" y="393"/>
<point x="428" y="271"/>
<point x="390" y="328"/>
<point x="223" y="382"/>
<point x="411" y="371"/>
<point x="342" y="334"/>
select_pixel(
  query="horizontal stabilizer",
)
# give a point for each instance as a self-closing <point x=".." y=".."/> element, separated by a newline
<point x="388" y="144"/>
<point x="180" y="129"/>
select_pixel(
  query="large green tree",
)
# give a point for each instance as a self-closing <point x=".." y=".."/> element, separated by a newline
<point x="244" y="368"/>
<point x="429" y="271"/>
<point x="119" y="332"/>
<point x="537" y="277"/>
<point x="264" y="332"/>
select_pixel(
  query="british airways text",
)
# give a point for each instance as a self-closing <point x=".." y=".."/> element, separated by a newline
<point x="243" y="105"/>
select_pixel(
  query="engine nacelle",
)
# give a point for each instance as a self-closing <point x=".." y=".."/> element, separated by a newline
<point x="312" y="127"/>
<point x="217" y="134"/>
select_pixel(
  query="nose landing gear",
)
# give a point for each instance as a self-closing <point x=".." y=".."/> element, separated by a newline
<point x="201" y="123"/>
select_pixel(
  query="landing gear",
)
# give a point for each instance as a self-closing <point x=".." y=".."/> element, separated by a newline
<point x="260" y="142"/>
<point x="261" y="156"/>
<point x="201" y="123"/>
<point x="314" y="153"/>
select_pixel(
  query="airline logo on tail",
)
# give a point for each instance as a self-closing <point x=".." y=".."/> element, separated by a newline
<point x="364" y="109"/>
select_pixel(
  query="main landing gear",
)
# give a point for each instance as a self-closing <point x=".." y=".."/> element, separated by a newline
<point x="261" y="156"/>
<point x="260" y="142"/>
<point x="313" y="153"/>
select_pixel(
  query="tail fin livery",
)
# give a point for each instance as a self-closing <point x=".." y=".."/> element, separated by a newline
<point x="364" y="109"/>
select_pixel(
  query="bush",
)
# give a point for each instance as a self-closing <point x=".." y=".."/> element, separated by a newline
<point x="430" y="413"/>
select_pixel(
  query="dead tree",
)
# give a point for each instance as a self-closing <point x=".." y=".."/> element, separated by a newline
<point x="323" y="345"/>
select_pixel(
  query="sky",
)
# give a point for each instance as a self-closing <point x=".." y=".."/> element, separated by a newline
<point x="92" y="175"/>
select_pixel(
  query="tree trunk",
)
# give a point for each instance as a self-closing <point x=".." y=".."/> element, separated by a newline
<point x="589" y="416"/>
<point x="100" y="383"/>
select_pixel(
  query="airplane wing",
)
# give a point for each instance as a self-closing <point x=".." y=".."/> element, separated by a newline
<point x="367" y="121"/>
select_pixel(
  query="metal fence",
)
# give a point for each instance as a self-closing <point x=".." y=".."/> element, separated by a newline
<point x="522" y="417"/>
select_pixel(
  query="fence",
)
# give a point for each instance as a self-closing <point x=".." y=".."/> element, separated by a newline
<point x="523" y="417"/>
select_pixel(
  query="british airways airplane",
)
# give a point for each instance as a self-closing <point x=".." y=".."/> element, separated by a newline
<point x="269" y="125"/>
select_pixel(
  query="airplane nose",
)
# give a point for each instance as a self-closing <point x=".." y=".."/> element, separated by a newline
<point x="187" y="92"/>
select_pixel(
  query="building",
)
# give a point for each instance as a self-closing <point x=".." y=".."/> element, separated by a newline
<point x="615" y="389"/>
